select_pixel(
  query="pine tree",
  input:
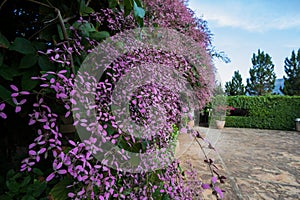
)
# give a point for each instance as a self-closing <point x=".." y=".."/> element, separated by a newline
<point x="235" y="86"/>
<point x="262" y="75"/>
<point x="292" y="70"/>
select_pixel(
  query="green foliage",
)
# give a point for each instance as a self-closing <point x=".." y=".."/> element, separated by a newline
<point x="59" y="191"/>
<point x="219" y="107"/>
<point x="265" y="112"/>
<point x="24" y="186"/>
<point x="23" y="46"/>
<point x="262" y="75"/>
<point x="292" y="70"/>
<point x="235" y="86"/>
<point x="4" y="43"/>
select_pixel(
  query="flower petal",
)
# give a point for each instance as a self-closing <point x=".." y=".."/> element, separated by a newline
<point x="14" y="88"/>
<point x="214" y="179"/>
<point x="50" y="177"/>
<point x="25" y="93"/>
<point x="18" y="109"/>
<point x="2" y="106"/>
<point x="3" y="115"/>
<point x="205" y="186"/>
<point x="219" y="191"/>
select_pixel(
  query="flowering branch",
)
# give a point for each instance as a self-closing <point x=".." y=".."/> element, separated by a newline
<point x="63" y="27"/>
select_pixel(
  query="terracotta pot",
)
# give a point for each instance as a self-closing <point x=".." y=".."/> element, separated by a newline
<point x="220" y="124"/>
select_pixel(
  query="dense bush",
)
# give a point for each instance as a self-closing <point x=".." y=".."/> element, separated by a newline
<point x="265" y="112"/>
<point x="41" y="56"/>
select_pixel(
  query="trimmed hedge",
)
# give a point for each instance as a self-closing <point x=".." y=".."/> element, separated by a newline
<point x="265" y="112"/>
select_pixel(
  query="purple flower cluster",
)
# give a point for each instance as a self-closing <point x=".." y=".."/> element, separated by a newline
<point x="105" y="178"/>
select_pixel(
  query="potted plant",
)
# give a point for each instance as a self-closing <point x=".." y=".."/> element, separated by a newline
<point x="219" y="110"/>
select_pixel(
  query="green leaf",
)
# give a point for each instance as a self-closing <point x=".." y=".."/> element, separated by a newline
<point x="28" y="61"/>
<point x="138" y="11"/>
<point x="45" y="64"/>
<point x="87" y="11"/>
<point x="41" y="46"/>
<point x="5" y="96"/>
<point x="23" y="46"/>
<point x="59" y="191"/>
<point x="37" y="188"/>
<point x="5" y="197"/>
<point x="139" y="3"/>
<point x="12" y="185"/>
<point x="82" y="6"/>
<point x="128" y="7"/>
<point x="37" y="171"/>
<point x="112" y="3"/>
<point x="4" y="43"/>
<point x="27" y="83"/>
<point x="11" y="172"/>
<point x="99" y="35"/>
<point x="8" y="72"/>
<point x="60" y="32"/>
<point x="84" y="28"/>
<point x="26" y="180"/>
<point x="28" y="197"/>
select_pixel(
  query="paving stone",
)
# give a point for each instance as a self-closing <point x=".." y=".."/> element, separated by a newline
<point x="259" y="164"/>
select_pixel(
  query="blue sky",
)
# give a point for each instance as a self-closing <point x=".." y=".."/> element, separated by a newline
<point x="241" y="27"/>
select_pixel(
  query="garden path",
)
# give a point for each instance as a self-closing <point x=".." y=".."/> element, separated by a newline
<point x="258" y="164"/>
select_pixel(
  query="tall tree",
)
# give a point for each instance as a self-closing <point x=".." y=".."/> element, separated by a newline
<point x="292" y="70"/>
<point x="262" y="75"/>
<point x="235" y="86"/>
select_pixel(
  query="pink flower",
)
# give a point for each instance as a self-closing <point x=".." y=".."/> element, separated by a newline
<point x="2" y="114"/>
<point x="18" y="104"/>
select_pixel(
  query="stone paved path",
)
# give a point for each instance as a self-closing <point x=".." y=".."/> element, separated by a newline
<point x="259" y="164"/>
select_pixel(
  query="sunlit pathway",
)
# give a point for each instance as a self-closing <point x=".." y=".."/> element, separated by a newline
<point x="259" y="164"/>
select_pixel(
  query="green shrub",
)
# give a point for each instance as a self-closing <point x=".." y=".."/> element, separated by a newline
<point x="265" y="112"/>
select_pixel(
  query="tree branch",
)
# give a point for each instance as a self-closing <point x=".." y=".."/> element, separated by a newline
<point x="62" y="25"/>
<point x="2" y="4"/>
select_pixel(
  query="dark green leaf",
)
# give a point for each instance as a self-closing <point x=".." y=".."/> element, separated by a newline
<point x="99" y="35"/>
<point x="139" y="3"/>
<point x="140" y="21"/>
<point x="8" y="72"/>
<point x="138" y="11"/>
<point x="12" y="185"/>
<point x="59" y="191"/>
<point x="28" y="197"/>
<point x="26" y="180"/>
<point x="37" y="188"/>
<point x="5" y="197"/>
<point x="11" y="172"/>
<point x="84" y="28"/>
<point x="82" y="6"/>
<point x="41" y="46"/>
<point x="23" y="46"/>
<point x="28" y="61"/>
<point x="45" y="64"/>
<point x="4" y="43"/>
<point x="112" y="3"/>
<point x="5" y="95"/>
<point x="60" y="32"/>
<point x="128" y="7"/>
<point x="37" y="171"/>
<point x="87" y="11"/>
<point x="27" y="83"/>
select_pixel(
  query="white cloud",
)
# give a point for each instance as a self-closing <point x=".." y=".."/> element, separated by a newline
<point x="255" y="17"/>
